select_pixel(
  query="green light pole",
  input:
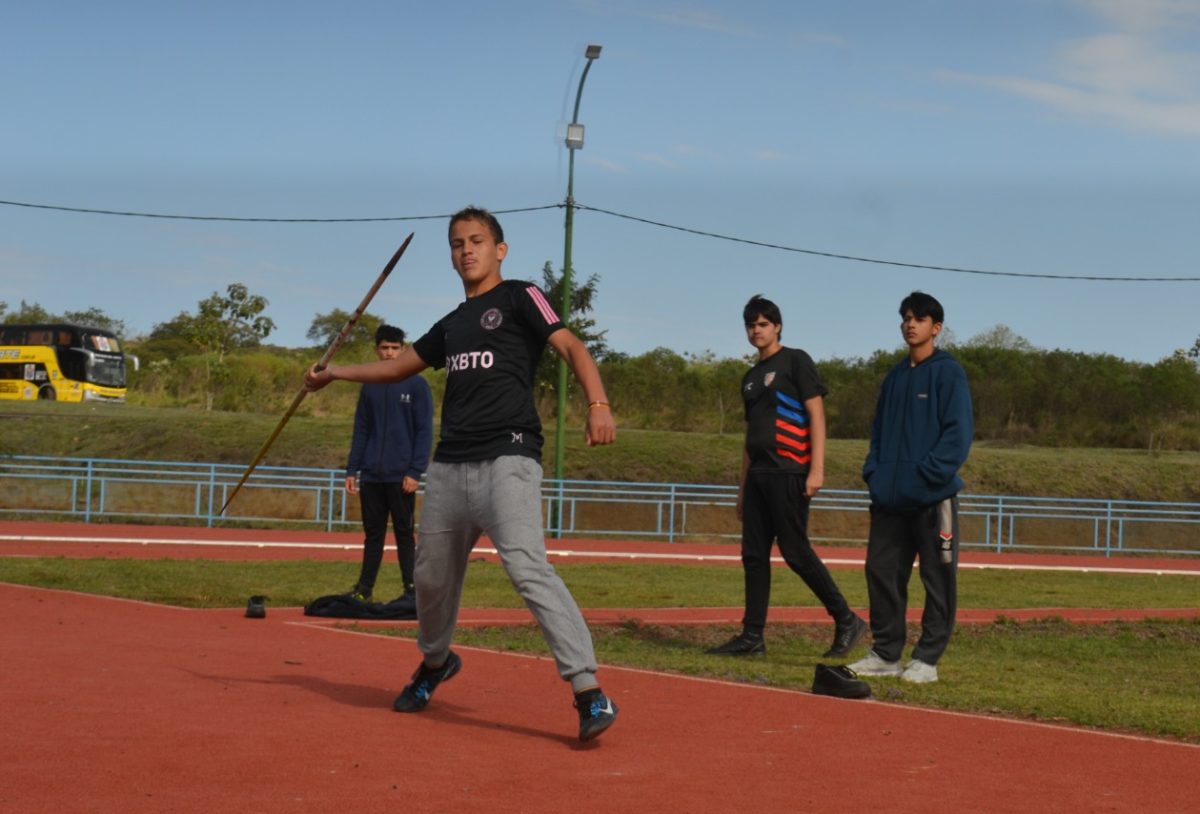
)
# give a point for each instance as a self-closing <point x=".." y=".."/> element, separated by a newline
<point x="574" y="141"/>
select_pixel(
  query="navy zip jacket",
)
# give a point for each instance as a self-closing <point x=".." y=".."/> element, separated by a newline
<point x="921" y="434"/>
<point x="393" y="431"/>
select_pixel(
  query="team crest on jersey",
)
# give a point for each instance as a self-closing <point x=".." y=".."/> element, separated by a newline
<point x="491" y="319"/>
<point x="770" y="377"/>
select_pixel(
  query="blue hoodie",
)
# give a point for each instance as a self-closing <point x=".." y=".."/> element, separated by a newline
<point x="921" y="434"/>
<point x="393" y="431"/>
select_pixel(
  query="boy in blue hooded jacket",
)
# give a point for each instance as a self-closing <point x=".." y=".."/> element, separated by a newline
<point x="389" y="451"/>
<point x="920" y="437"/>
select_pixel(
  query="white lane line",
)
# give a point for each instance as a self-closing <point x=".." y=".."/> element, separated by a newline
<point x="607" y="555"/>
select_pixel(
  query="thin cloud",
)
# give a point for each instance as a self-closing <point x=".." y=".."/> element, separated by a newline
<point x="704" y="20"/>
<point x="1116" y="109"/>
<point x="1134" y="76"/>
<point x="692" y="151"/>
<point x="606" y="165"/>
<point x="769" y="155"/>
<point x="1146" y="15"/>
<point x="655" y="158"/>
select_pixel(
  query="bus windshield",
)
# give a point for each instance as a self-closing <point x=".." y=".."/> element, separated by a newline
<point x="107" y="370"/>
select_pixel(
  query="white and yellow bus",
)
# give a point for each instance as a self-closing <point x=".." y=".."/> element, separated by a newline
<point x="59" y="362"/>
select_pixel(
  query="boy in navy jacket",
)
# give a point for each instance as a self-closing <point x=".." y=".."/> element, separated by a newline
<point x="393" y="433"/>
<point x="920" y="437"/>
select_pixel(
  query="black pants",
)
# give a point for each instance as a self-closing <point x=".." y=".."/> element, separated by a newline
<point x="775" y="507"/>
<point x="896" y="540"/>
<point x="378" y="502"/>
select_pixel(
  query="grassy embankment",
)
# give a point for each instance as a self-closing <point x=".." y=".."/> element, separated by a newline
<point x="164" y="434"/>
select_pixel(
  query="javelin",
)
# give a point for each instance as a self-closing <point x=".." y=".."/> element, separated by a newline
<point x="333" y="347"/>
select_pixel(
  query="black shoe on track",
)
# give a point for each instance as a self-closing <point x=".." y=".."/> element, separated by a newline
<point x="416" y="695"/>
<point x="256" y="608"/>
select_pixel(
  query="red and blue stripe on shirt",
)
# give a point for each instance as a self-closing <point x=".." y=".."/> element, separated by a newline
<point x="791" y="429"/>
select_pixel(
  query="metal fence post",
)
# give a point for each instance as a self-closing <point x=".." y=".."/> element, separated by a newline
<point x="671" y="516"/>
<point x="332" y="486"/>
<point x="212" y="491"/>
<point x="87" y="493"/>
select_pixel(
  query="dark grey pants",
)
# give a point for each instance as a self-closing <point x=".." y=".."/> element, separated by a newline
<point x="503" y="499"/>
<point x="895" y="541"/>
<point x="379" y="501"/>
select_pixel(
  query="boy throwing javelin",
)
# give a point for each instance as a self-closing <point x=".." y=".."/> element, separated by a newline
<point x="486" y="473"/>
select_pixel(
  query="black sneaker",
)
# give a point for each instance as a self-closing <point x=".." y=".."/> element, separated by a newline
<point x="256" y="608"/>
<point x="597" y="712"/>
<point x="840" y="682"/>
<point x="743" y="644"/>
<point x="416" y="695"/>
<point x="845" y="636"/>
<point x="360" y="592"/>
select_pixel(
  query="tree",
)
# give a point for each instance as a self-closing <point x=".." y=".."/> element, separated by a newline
<point x="27" y="313"/>
<point x="325" y="328"/>
<point x="1001" y="337"/>
<point x="719" y="384"/>
<point x="579" y="323"/>
<point x="95" y="318"/>
<point x="222" y="324"/>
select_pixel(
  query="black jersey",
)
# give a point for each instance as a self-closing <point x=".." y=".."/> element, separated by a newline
<point x="490" y="346"/>
<point x="777" y="426"/>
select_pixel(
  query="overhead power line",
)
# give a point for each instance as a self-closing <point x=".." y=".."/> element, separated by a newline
<point x="856" y="259"/>
<point x="230" y="219"/>
<point x="647" y="221"/>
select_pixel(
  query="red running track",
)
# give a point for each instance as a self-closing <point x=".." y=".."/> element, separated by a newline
<point x="112" y="705"/>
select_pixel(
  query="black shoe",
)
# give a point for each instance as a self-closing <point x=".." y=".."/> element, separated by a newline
<point x="845" y="637"/>
<point x="840" y="682"/>
<point x="597" y="712"/>
<point x="256" y="608"/>
<point x="416" y="695"/>
<point x="742" y="644"/>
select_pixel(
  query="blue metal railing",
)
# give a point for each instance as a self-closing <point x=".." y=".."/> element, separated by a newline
<point x="164" y="491"/>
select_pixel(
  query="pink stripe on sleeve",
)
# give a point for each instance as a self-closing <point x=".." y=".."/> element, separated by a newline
<point x="539" y="299"/>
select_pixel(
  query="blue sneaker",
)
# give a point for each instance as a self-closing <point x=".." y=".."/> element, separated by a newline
<point x="597" y="712"/>
<point x="416" y="695"/>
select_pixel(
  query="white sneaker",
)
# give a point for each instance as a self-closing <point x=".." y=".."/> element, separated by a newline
<point x="918" y="672"/>
<point x="873" y="665"/>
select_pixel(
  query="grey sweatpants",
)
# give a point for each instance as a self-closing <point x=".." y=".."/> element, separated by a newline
<point x="502" y="498"/>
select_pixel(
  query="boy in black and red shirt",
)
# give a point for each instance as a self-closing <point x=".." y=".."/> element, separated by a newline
<point x="783" y="466"/>
<point x="486" y="474"/>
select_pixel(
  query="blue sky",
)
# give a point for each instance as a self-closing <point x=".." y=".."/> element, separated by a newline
<point x="1042" y="137"/>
